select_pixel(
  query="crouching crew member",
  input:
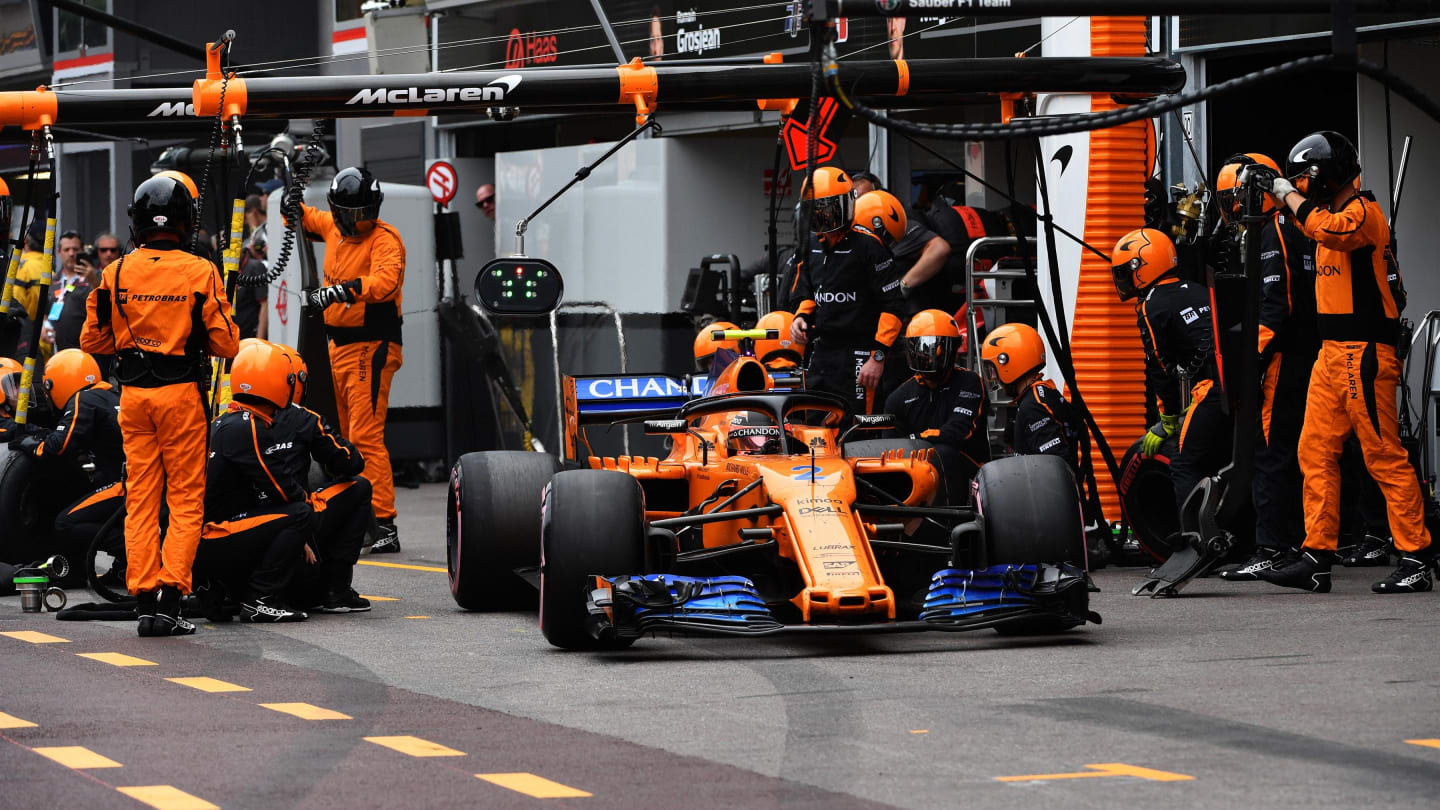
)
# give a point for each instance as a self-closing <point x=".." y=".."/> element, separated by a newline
<point x="89" y="425"/>
<point x="342" y="509"/>
<point x="706" y="345"/>
<point x="1288" y="345"/>
<point x="163" y="313"/>
<point x="782" y="353"/>
<point x="365" y="271"/>
<point x="942" y="403"/>
<point x="1179" y="337"/>
<point x="1358" y="298"/>
<point x="846" y="297"/>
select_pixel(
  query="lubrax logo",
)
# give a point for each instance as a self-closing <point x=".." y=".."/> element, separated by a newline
<point x="494" y="91"/>
<point x="836" y="298"/>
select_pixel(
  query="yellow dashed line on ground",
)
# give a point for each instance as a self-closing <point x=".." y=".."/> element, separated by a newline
<point x="76" y="756"/>
<point x="1103" y="769"/>
<point x="305" y="711"/>
<point x="919" y="731"/>
<point x="415" y="747"/>
<point x="11" y="721"/>
<point x="35" y="637"/>
<point x="118" y="659"/>
<point x="404" y="565"/>
<point x="1426" y="743"/>
<point x="531" y="785"/>
<point x="167" y="797"/>
<point x="380" y="598"/>
<point x="209" y="684"/>
<point x="417" y="617"/>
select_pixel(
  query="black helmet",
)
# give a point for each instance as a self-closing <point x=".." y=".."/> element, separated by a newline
<point x="162" y="206"/>
<point x="1322" y="164"/>
<point x="355" y="198"/>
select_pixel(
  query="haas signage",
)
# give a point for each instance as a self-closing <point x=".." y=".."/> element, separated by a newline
<point x="522" y="50"/>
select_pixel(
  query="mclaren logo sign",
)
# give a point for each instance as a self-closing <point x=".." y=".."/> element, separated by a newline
<point x="494" y="91"/>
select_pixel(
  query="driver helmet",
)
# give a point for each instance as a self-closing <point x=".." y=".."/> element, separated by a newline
<point x="830" y="202"/>
<point x="752" y="433"/>
<point x="932" y="342"/>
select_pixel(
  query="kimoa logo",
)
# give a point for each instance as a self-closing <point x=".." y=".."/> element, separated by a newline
<point x="494" y="91"/>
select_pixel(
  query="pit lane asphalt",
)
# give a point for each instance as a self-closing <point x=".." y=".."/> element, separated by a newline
<point x="1264" y="697"/>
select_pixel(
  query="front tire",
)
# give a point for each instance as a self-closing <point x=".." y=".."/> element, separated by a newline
<point x="493" y="527"/>
<point x="593" y="525"/>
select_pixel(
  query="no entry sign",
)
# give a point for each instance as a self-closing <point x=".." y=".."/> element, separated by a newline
<point x="440" y="179"/>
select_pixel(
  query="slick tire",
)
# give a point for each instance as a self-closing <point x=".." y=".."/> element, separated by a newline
<point x="29" y="507"/>
<point x="492" y="527"/>
<point x="1148" y="501"/>
<point x="593" y="525"/>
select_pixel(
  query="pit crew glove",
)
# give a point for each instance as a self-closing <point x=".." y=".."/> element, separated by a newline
<point x="25" y="444"/>
<point x="1158" y="433"/>
<point x="334" y="294"/>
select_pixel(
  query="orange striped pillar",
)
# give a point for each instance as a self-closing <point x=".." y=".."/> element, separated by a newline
<point x="1109" y="360"/>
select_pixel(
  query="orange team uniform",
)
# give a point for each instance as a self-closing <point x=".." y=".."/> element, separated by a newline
<point x="162" y="313"/>
<point x="1353" y="384"/>
<point x="364" y="339"/>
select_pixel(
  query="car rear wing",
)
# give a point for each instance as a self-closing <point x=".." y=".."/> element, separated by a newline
<point x="604" y="399"/>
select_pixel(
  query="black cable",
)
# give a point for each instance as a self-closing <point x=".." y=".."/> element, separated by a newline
<point x="290" y="206"/>
<point x="204" y="186"/>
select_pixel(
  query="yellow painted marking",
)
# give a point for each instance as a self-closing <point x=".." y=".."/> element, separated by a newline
<point x="531" y="785"/>
<point x="209" y="684"/>
<point x="118" y="659"/>
<point x="1103" y="769"/>
<point x="919" y="731"/>
<point x="35" y="637"/>
<point x="415" y="747"/>
<point x="11" y="721"/>
<point x="76" y="756"/>
<point x="1426" y="743"/>
<point x="167" y="797"/>
<point x="305" y="711"/>
<point x="380" y="598"/>
<point x="403" y="565"/>
<point x="417" y="617"/>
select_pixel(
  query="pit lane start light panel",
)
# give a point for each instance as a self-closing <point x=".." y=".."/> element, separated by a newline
<point x="519" y="286"/>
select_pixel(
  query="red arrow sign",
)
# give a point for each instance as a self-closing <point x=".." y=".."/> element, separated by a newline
<point x="830" y="124"/>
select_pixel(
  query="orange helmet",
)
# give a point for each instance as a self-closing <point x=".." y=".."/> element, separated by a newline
<point x="831" y="203"/>
<point x="1012" y="351"/>
<point x="261" y="373"/>
<point x="184" y="181"/>
<point x="69" y="372"/>
<point x="1226" y="184"/>
<point x="1141" y="257"/>
<point x="932" y="342"/>
<point x="879" y="214"/>
<point x="782" y="350"/>
<point x="706" y="344"/>
<point x="10" y="371"/>
<point x="299" y="369"/>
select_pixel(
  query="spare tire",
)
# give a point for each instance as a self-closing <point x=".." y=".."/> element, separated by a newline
<point x="493" y="527"/>
<point x="1148" y="500"/>
<point x="32" y="493"/>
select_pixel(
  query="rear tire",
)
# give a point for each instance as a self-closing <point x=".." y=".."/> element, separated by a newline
<point x="493" y="527"/>
<point x="593" y="525"/>
<point x="1030" y="506"/>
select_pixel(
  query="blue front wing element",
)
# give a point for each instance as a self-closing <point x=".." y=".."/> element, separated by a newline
<point x="639" y="604"/>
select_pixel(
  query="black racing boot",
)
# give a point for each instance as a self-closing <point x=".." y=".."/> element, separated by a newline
<point x="212" y="599"/>
<point x="1371" y="551"/>
<point x="387" y="538"/>
<point x="145" y="613"/>
<point x="1309" y="572"/>
<point x="269" y="610"/>
<point x="1412" y="575"/>
<point x="168" y="621"/>
<point x="1263" y="559"/>
<point x="344" y="600"/>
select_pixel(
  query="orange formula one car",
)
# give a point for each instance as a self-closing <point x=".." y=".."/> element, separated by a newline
<point x="764" y="518"/>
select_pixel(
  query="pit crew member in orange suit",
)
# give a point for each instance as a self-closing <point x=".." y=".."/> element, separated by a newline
<point x="1013" y="357"/>
<point x="365" y="273"/>
<point x="163" y="313"/>
<point x="706" y="345"/>
<point x="89" y="425"/>
<point x="942" y="403"/>
<point x="782" y="353"/>
<point x="846" y="297"/>
<point x="1358" y="297"/>
<point x="1176" y="329"/>
<point x="1288" y="345"/>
